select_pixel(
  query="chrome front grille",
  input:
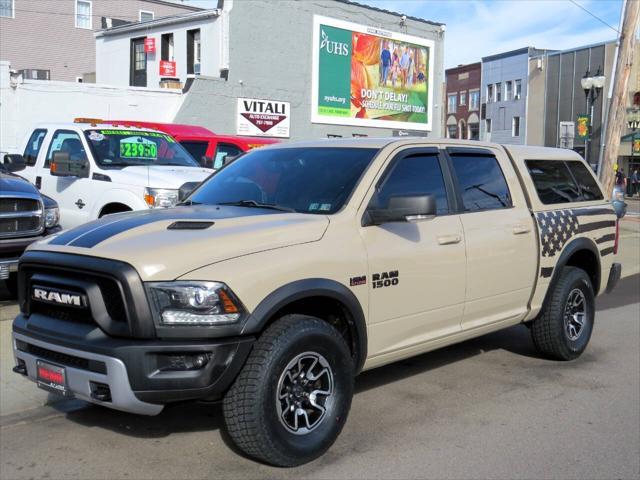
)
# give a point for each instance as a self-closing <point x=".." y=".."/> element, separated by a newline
<point x="21" y="215"/>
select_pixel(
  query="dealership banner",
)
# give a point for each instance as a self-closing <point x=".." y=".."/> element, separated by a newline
<point x="365" y="76"/>
<point x="263" y="118"/>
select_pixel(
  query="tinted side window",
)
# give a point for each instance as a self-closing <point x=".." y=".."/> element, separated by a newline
<point x="223" y="151"/>
<point x="33" y="146"/>
<point x="66" y="141"/>
<point x="414" y="175"/>
<point x="553" y="181"/>
<point x="197" y="150"/>
<point x="481" y="182"/>
<point x="588" y="186"/>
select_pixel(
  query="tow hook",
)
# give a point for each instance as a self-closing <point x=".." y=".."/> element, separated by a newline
<point x="21" y="368"/>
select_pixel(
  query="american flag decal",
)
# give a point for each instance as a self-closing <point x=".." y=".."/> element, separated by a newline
<point x="557" y="227"/>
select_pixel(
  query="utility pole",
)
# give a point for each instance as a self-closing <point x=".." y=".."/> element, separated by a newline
<point x="617" y="106"/>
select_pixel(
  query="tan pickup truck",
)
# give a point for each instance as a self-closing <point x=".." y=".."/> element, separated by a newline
<point x="297" y="266"/>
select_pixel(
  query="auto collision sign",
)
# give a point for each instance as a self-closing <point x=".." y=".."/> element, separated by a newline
<point x="263" y="118"/>
<point x="370" y="77"/>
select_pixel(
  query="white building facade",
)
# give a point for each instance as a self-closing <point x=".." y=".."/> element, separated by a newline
<point x="161" y="52"/>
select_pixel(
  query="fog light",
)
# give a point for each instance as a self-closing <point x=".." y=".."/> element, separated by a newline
<point x="186" y="362"/>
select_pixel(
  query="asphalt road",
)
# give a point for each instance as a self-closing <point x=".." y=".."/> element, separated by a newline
<point x="487" y="408"/>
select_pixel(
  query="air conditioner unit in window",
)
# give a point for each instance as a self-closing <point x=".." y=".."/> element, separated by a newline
<point x="196" y="69"/>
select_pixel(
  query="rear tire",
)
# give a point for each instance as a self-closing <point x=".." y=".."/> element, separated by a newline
<point x="563" y="328"/>
<point x="278" y="410"/>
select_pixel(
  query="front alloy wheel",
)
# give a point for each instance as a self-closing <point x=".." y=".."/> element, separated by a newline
<point x="304" y="393"/>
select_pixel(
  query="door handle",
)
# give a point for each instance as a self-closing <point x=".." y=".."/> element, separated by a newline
<point x="38" y="182"/>
<point x="521" y="229"/>
<point x="449" y="239"/>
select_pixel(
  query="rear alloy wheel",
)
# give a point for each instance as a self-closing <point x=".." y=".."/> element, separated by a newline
<point x="291" y="399"/>
<point x="563" y="328"/>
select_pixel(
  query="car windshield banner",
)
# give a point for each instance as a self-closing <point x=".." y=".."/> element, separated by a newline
<point x="370" y="77"/>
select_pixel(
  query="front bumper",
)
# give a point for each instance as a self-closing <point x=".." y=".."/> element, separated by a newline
<point x="132" y="371"/>
<point x="12" y="248"/>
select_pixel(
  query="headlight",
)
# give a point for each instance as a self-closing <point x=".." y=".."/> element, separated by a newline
<point x="194" y="303"/>
<point x="161" y="197"/>
<point x="51" y="217"/>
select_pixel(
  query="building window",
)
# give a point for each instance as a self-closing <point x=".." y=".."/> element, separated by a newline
<point x="452" y="131"/>
<point x="7" y="8"/>
<point x="498" y="92"/>
<point x="166" y="47"/>
<point x="451" y="105"/>
<point x="83" y="14"/>
<point x="518" y="93"/>
<point x="515" y="127"/>
<point x="487" y="125"/>
<point x="145" y="16"/>
<point x="193" y="51"/>
<point x="474" y="131"/>
<point x="474" y="100"/>
<point x="508" y="91"/>
<point x="489" y="93"/>
<point x="463" y="98"/>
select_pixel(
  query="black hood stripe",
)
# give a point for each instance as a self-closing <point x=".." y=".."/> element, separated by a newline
<point x="69" y="236"/>
<point x="91" y="239"/>
<point x="93" y="233"/>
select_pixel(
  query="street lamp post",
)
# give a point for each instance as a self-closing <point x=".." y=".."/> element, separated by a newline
<point x="592" y="86"/>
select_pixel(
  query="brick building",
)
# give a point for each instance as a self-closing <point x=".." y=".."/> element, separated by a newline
<point x="462" y="117"/>
<point x="54" y="39"/>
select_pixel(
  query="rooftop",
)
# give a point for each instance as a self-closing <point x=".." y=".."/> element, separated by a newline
<point x="160" y="22"/>
<point x="377" y="9"/>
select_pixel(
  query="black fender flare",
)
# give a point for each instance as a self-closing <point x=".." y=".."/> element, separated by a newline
<point x="571" y="248"/>
<point x="307" y="288"/>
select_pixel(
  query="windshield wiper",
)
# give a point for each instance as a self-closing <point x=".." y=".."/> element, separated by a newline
<point x="254" y="204"/>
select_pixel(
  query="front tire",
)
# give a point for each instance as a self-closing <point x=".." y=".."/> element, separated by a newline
<point x="292" y="397"/>
<point x="563" y="328"/>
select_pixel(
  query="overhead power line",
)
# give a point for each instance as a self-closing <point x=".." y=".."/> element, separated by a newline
<point x="595" y="16"/>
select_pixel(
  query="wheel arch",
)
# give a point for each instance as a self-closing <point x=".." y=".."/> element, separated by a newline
<point x="320" y="297"/>
<point x="582" y="253"/>
<point x="114" y="207"/>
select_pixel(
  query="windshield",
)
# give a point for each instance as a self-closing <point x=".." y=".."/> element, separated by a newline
<point x="305" y="180"/>
<point x="125" y="148"/>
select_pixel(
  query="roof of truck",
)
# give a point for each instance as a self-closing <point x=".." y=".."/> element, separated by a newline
<point x="532" y="152"/>
<point x="89" y="126"/>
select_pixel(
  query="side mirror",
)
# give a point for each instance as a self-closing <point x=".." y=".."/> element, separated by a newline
<point x="14" y="162"/>
<point x="404" y="208"/>
<point x="206" y="162"/>
<point x="63" y="166"/>
<point x="228" y="159"/>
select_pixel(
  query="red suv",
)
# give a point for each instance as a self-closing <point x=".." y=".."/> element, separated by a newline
<point x="203" y="145"/>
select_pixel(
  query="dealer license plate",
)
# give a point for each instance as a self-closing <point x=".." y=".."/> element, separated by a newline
<point x="52" y="378"/>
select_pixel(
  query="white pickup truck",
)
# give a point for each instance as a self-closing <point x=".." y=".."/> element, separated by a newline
<point x="92" y="170"/>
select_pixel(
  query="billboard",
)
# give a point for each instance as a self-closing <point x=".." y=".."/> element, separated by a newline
<point x="365" y="76"/>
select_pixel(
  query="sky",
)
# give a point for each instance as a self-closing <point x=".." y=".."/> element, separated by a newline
<point x="477" y="28"/>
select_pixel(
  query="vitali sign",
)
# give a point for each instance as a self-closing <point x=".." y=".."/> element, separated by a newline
<point x="263" y="118"/>
<point x="369" y="77"/>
